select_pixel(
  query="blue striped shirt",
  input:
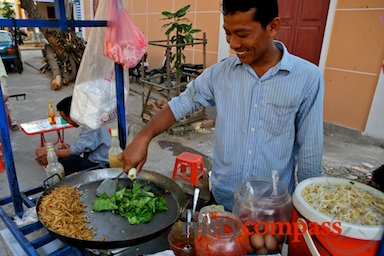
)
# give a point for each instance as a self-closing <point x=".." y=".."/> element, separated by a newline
<point x="95" y="142"/>
<point x="273" y="122"/>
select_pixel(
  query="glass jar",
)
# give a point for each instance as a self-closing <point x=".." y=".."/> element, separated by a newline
<point x="220" y="233"/>
<point x="266" y="209"/>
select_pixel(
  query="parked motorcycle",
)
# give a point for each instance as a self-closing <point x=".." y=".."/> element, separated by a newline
<point x="159" y="75"/>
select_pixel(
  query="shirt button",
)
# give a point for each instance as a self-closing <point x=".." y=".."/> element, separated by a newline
<point x="259" y="82"/>
<point x="247" y="174"/>
<point x="253" y="129"/>
<point x="255" y="105"/>
<point x="250" y="152"/>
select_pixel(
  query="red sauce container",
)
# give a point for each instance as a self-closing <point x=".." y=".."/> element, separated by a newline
<point x="220" y="233"/>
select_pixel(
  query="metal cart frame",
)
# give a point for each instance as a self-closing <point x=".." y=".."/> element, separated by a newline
<point x="27" y="199"/>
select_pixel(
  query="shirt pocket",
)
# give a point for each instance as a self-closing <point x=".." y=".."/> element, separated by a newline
<point x="278" y="120"/>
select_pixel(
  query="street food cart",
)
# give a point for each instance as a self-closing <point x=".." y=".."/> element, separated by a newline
<point x="24" y="200"/>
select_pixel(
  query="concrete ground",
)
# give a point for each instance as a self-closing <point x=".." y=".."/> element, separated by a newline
<point x="346" y="153"/>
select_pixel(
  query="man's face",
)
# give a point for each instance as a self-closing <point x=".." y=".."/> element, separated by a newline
<point x="68" y="119"/>
<point x="247" y="37"/>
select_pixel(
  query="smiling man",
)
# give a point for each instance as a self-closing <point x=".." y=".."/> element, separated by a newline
<point x="269" y="106"/>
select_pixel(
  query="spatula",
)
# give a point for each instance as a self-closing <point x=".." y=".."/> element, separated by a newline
<point x="109" y="186"/>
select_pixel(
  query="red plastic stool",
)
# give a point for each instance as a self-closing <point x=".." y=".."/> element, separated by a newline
<point x="192" y="161"/>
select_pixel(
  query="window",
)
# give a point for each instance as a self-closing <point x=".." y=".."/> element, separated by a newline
<point x="51" y="12"/>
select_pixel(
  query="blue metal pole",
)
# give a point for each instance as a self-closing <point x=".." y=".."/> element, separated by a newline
<point x="8" y="158"/>
<point x="120" y="105"/>
<point x="51" y="23"/>
<point x="60" y="14"/>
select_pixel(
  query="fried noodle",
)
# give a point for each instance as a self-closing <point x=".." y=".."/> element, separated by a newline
<point x="63" y="212"/>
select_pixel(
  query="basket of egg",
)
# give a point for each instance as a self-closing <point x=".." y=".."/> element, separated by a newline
<point x="264" y="206"/>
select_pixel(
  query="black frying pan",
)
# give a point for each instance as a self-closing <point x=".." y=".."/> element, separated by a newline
<point x="116" y="229"/>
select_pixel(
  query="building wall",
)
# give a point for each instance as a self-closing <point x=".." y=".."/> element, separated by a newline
<point x="204" y="15"/>
<point x="352" y="53"/>
<point x="354" y="58"/>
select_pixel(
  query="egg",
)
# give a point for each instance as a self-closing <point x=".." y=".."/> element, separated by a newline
<point x="250" y="249"/>
<point x="261" y="251"/>
<point x="280" y="239"/>
<point x="256" y="241"/>
<point x="270" y="242"/>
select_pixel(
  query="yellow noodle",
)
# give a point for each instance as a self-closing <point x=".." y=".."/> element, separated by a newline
<point x="63" y="212"/>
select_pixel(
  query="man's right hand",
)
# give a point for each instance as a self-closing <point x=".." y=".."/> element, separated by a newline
<point x="135" y="154"/>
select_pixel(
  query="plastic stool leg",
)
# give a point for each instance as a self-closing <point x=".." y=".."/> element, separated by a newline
<point x="175" y="169"/>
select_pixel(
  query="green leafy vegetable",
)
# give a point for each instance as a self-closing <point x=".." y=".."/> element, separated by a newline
<point x="137" y="205"/>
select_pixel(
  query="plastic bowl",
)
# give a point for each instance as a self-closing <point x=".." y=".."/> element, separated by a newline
<point x="348" y="229"/>
<point x="353" y="240"/>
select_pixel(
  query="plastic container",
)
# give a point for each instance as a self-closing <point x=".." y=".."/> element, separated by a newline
<point x="133" y="129"/>
<point x="115" y="150"/>
<point x="353" y="239"/>
<point x="216" y="237"/>
<point x="263" y="205"/>
<point x="51" y="113"/>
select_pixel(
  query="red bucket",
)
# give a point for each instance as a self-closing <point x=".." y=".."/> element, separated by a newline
<point x="330" y="236"/>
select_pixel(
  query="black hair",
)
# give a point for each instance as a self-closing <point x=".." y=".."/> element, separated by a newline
<point x="65" y="105"/>
<point x="264" y="10"/>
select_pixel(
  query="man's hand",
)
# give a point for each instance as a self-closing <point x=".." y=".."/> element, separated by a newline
<point x="41" y="157"/>
<point x="63" y="146"/>
<point x="135" y="154"/>
<point x="41" y="152"/>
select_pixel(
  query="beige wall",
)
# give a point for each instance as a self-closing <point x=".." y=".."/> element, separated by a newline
<point x="204" y="15"/>
<point x="352" y="69"/>
<point x="352" y="58"/>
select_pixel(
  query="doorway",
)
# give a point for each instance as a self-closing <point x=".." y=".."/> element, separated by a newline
<point x="302" y="27"/>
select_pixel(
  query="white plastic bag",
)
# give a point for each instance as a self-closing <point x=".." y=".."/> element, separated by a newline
<point x="94" y="93"/>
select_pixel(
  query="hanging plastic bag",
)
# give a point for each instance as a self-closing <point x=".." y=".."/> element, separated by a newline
<point x="94" y="94"/>
<point x="124" y="42"/>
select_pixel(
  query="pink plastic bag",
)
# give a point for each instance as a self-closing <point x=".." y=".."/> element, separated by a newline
<point x="124" y="42"/>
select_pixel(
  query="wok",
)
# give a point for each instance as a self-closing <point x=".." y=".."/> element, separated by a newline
<point x="115" y="228"/>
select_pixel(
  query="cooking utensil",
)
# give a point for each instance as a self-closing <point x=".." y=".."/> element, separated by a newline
<point x="275" y="181"/>
<point x="119" y="233"/>
<point x="188" y="248"/>
<point x="109" y="186"/>
<point x="307" y="237"/>
<point x="195" y="199"/>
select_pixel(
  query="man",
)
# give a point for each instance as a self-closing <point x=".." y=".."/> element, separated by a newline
<point x="269" y="106"/>
<point x="92" y="144"/>
<point x="4" y="86"/>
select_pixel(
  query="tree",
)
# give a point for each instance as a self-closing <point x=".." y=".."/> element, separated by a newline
<point x="63" y="51"/>
<point x="7" y="10"/>
<point x="183" y="36"/>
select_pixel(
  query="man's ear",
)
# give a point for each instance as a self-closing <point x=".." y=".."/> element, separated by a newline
<point x="273" y="27"/>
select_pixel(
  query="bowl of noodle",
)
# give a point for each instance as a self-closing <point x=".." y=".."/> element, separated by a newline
<point x="356" y="208"/>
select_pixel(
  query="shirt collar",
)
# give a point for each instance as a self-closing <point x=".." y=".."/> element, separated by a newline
<point x="285" y="63"/>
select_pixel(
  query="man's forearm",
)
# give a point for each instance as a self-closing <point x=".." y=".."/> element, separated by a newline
<point x="159" y="123"/>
